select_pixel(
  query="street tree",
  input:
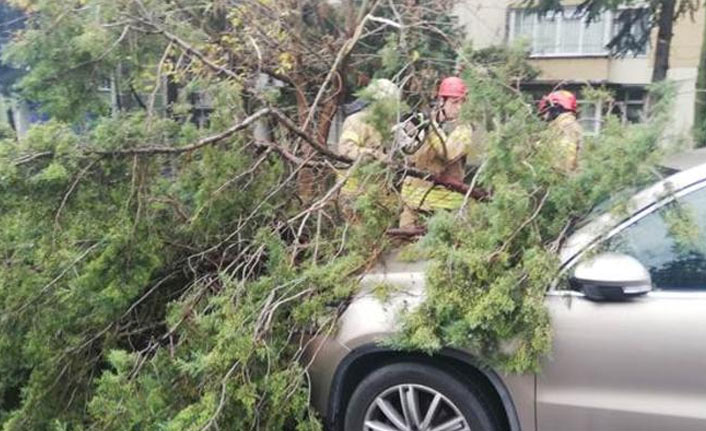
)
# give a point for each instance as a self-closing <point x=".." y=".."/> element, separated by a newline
<point x="700" y="108"/>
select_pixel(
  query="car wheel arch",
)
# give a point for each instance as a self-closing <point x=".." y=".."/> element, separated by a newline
<point x="364" y="359"/>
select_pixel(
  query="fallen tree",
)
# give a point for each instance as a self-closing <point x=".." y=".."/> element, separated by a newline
<point x="163" y="267"/>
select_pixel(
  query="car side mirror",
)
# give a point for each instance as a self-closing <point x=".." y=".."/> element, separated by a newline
<point x="611" y="277"/>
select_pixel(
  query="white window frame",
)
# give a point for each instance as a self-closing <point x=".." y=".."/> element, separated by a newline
<point x="625" y="102"/>
<point x="637" y="5"/>
<point x="607" y="17"/>
<point x="597" y="121"/>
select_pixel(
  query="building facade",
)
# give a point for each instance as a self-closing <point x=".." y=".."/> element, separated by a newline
<point x="570" y="53"/>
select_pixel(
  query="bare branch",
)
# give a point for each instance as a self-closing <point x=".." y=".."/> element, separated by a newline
<point x="322" y="202"/>
<point x="384" y="21"/>
<point x="158" y="79"/>
<point x="201" y="143"/>
<point x="342" y="54"/>
<point x="288" y="123"/>
<point x="470" y="189"/>
<point x="520" y="228"/>
<point x="31" y="157"/>
<point x="189" y="49"/>
<point x="68" y="193"/>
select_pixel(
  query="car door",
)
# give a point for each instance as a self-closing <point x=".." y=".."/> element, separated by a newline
<point x="638" y="364"/>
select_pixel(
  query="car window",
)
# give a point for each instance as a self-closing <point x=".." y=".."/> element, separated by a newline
<point x="670" y="242"/>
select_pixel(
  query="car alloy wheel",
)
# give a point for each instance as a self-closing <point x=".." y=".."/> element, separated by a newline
<point x="413" y="407"/>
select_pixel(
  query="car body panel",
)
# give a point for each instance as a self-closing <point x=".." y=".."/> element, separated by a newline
<point x="322" y="359"/>
<point x="371" y="320"/>
<point x="610" y="370"/>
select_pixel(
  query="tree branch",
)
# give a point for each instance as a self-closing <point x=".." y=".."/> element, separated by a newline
<point x="289" y="124"/>
<point x="201" y="143"/>
<point x="190" y="49"/>
<point x="344" y="51"/>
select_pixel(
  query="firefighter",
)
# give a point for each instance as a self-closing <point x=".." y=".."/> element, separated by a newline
<point x="443" y="154"/>
<point x="558" y="108"/>
<point x="359" y="139"/>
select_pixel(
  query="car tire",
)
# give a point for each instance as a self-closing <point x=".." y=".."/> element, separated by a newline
<point x="384" y="390"/>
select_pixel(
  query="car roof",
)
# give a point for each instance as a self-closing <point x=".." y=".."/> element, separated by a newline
<point x="639" y="202"/>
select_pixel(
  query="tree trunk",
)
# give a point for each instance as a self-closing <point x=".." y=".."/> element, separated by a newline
<point x="700" y="108"/>
<point x="664" y="40"/>
<point x="115" y="105"/>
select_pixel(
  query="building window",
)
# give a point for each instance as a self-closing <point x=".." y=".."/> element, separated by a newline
<point x="629" y="104"/>
<point x="564" y="34"/>
<point x="634" y="27"/>
<point x="589" y="116"/>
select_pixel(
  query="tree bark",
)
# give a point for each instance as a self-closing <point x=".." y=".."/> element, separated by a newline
<point x="664" y="40"/>
<point x="172" y="92"/>
<point x="700" y="108"/>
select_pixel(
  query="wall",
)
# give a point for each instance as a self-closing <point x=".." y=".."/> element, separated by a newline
<point x="484" y="20"/>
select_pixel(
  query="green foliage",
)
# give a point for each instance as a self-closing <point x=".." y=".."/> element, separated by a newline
<point x="507" y="62"/>
<point x="382" y="113"/>
<point x="492" y="263"/>
<point x="46" y="51"/>
<point x="101" y="303"/>
<point x="683" y="227"/>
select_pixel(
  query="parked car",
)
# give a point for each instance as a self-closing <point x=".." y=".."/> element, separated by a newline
<point x="629" y="344"/>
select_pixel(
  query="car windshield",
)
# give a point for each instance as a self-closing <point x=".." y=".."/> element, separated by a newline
<point x="617" y="198"/>
<point x="605" y="205"/>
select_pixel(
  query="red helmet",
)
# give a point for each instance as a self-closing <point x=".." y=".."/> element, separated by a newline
<point x="563" y="98"/>
<point x="452" y="87"/>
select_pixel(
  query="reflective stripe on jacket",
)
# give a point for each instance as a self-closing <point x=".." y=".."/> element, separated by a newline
<point x="351" y="186"/>
<point x="421" y="194"/>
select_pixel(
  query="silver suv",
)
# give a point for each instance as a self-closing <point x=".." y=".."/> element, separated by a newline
<point x="629" y="349"/>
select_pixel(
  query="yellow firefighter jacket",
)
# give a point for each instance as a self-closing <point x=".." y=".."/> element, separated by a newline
<point x="441" y="155"/>
<point x="567" y="141"/>
<point x="358" y="137"/>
